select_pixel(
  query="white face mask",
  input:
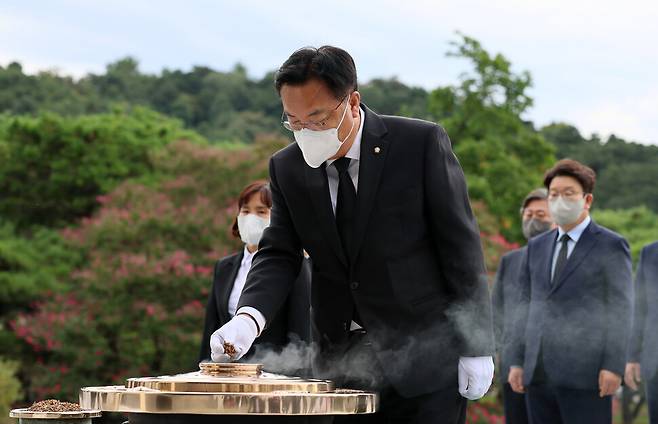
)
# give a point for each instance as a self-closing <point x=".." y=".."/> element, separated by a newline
<point x="251" y="228"/>
<point x="566" y="212"/>
<point x="318" y="146"/>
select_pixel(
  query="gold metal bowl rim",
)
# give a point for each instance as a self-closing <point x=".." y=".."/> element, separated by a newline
<point x="230" y="369"/>
<point x="120" y="399"/>
<point x="53" y="415"/>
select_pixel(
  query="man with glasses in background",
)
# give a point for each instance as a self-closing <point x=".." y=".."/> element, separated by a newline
<point x="399" y="293"/>
<point x="568" y="346"/>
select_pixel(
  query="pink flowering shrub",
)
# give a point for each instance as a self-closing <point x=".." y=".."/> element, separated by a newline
<point x="136" y="305"/>
<point x="494" y="243"/>
<point x="485" y="411"/>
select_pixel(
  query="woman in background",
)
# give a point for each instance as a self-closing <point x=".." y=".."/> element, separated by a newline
<point x="292" y="323"/>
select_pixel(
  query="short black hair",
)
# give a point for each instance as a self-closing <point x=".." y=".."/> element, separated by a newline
<point x="574" y="169"/>
<point x="331" y="65"/>
<point x="536" y="194"/>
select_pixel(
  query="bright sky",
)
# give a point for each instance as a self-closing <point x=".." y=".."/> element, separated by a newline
<point x="594" y="63"/>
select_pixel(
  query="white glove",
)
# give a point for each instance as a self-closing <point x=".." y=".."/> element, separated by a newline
<point x="240" y="331"/>
<point x="475" y="376"/>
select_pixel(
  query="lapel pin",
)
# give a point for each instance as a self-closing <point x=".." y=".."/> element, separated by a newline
<point x="377" y="150"/>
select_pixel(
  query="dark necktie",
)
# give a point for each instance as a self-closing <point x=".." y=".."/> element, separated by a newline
<point x="561" y="257"/>
<point x="345" y="214"/>
<point x="345" y="205"/>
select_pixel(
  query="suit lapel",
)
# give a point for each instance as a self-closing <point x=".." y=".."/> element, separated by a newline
<point x="374" y="149"/>
<point x="318" y="188"/>
<point x="583" y="247"/>
<point x="227" y="281"/>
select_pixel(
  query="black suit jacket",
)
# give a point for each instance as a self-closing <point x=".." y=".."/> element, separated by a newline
<point x="291" y="323"/>
<point x="417" y="276"/>
<point x="644" y="343"/>
<point x="505" y="300"/>
<point x="581" y="323"/>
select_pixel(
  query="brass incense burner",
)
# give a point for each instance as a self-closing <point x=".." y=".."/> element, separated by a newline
<point x="227" y="389"/>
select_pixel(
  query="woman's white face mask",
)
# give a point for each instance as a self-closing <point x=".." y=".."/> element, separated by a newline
<point x="251" y="228"/>
<point x="319" y="146"/>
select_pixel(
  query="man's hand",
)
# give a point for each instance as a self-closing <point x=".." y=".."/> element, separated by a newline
<point x="609" y="382"/>
<point x="515" y="379"/>
<point x="475" y="376"/>
<point x="240" y="331"/>
<point x="632" y="375"/>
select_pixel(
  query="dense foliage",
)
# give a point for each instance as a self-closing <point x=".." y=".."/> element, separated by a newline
<point x="10" y="388"/>
<point x="638" y="225"/>
<point x="482" y="111"/>
<point x="31" y="267"/>
<point x="55" y="166"/>
<point x="135" y="305"/>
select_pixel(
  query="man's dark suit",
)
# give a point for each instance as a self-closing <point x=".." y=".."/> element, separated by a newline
<point x="504" y="300"/>
<point x="569" y="330"/>
<point x="416" y="280"/>
<point x="644" y="343"/>
<point x="291" y="323"/>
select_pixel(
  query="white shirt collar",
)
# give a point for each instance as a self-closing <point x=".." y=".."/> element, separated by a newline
<point x="576" y="231"/>
<point x="248" y="256"/>
<point x="355" y="151"/>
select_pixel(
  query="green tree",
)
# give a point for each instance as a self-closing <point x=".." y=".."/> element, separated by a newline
<point x="56" y="166"/>
<point x="502" y="155"/>
<point x="46" y="91"/>
<point x="391" y="97"/>
<point x="31" y="265"/>
<point x="122" y="82"/>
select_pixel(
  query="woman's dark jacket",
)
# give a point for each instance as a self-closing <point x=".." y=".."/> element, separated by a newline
<point x="292" y="323"/>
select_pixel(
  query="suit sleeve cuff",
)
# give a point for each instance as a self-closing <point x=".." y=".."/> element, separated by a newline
<point x="256" y="315"/>
<point x="614" y="366"/>
<point x="635" y="355"/>
<point x="634" y="358"/>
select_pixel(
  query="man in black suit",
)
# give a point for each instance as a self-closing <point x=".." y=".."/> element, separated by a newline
<point x="568" y="349"/>
<point x="536" y="220"/>
<point x="643" y="354"/>
<point x="399" y="293"/>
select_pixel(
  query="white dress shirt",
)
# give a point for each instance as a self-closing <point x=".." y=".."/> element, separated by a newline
<point x="240" y="279"/>
<point x="574" y="236"/>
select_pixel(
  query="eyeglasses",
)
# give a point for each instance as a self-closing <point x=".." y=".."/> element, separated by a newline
<point x="567" y="194"/>
<point x="311" y="125"/>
